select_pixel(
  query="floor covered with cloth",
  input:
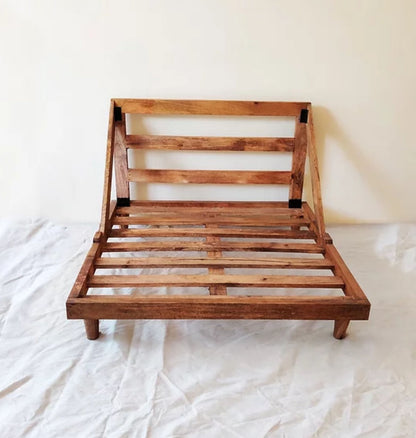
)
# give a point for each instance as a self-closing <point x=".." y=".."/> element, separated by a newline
<point x="204" y="378"/>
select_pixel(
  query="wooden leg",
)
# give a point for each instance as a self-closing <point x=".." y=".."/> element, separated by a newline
<point x="91" y="328"/>
<point x="340" y="328"/>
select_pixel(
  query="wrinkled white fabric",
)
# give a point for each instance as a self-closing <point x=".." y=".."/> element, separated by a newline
<point x="203" y="378"/>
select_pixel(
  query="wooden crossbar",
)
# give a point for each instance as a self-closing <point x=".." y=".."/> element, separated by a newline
<point x="219" y="220"/>
<point x="166" y="142"/>
<point x="223" y="262"/>
<point x="213" y="249"/>
<point x="173" y="245"/>
<point x="209" y="176"/>
<point x="207" y="280"/>
<point x="262" y="233"/>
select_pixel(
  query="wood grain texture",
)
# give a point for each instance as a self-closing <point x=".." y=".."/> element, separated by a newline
<point x="186" y="143"/>
<point x="298" y="161"/>
<point x="260" y="233"/>
<point x="310" y="248"/>
<point x="189" y="208"/>
<point x="168" y="176"/>
<point x="200" y="280"/>
<point x="210" y="107"/>
<point x="216" y="289"/>
<point x="223" y="262"/>
<point x="316" y="183"/>
<point x="80" y="287"/>
<point x="249" y="221"/>
<point x="214" y="307"/>
<point x="352" y="288"/>
<point x="174" y="205"/>
<point x="120" y="160"/>
<point x="108" y="172"/>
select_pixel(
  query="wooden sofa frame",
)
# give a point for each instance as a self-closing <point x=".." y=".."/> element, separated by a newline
<point x="211" y="225"/>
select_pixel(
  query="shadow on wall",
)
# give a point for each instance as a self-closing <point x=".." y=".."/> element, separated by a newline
<point x="327" y="127"/>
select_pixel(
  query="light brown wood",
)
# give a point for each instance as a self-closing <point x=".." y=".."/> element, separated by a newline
<point x="188" y="208"/>
<point x="214" y="307"/>
<point x="109" y="223"/>
<point x="316" y="183"/>
<point x="276" y="206"/>
<point x="108" y="173"/>
<point x="252" y="221"/>
<point x="198" y="212"/>
<point x="208" y="176"/>
<point x="259" y="233"/>
<point x="352" y="288"/>
<point x="310" y="248"/>
<point x="87" y="269"/>
<point x="202" y="280"/>
<point x="210" y="107"/>
<point x="310" y="215"/>
<point x="220" y="230"/>
<point x="120" y="160"/>
<point x="92" y="328"/>
<point x="223" y="262"/>
<point x="213" y="239"/>
<point x="298" y="161"/>
<point x="340" y="328"/>
<point x="166" y="142"/>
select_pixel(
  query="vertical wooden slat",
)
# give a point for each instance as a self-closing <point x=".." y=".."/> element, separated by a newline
<point x="108" y="173"/>
<point x="215" y="289"/>
<point x="120" y="159"/>
<point x="298" y="161"/>
<point x="316" y="183"/>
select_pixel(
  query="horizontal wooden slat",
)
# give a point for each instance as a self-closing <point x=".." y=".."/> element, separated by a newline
<point x="163" y="262"/>
<point x="208" y="176"/>
<point x="310" y="248"/>
<point x="190" y="209"/>
<point x="287" y="281"/>
<point x="214" y="205"/>
<point x="210" y="107"/>
<point x="259" y="221"/>
<point x="215" y="307"/>
<point x="202" y="232"/>
<point x="165" y="142"/>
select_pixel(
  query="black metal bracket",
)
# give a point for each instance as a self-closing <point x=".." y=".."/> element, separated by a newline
<point x="295" y="203"/>
<point x="118" y="117"/>
<point x="304" y="116"/>
<point x="123" y="202"/>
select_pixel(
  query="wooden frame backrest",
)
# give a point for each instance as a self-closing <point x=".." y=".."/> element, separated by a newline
<point x="301" y="144"/>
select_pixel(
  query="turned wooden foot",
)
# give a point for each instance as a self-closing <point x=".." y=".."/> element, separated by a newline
<point x="340" y="328"/>
<point x="91" y="328"/>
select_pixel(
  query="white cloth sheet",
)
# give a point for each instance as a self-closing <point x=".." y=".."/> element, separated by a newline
<point x="203" y="378"/>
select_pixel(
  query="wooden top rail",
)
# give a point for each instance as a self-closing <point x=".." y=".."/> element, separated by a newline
<point x="210" y="107"/>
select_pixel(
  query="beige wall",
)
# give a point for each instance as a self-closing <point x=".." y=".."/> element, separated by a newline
<point x="62" y="61"/>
